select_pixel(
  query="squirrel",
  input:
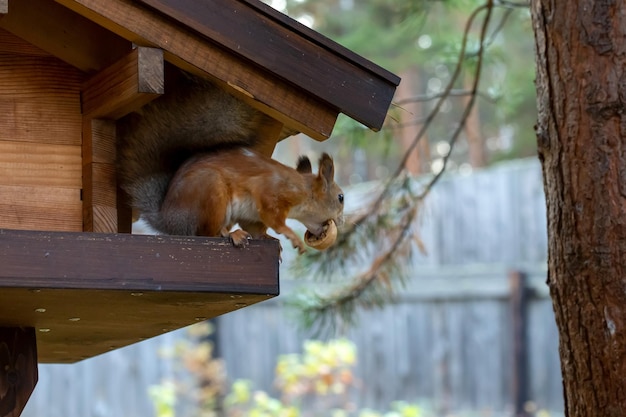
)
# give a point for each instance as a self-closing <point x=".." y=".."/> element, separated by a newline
<point x="186" y="162"/>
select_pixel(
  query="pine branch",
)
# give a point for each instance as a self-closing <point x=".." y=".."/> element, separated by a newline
<point x="385" y="232"/>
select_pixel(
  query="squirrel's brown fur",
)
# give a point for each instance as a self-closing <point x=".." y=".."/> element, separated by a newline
<point x="186" y="163"/>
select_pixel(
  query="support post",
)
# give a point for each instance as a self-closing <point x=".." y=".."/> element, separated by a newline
<point x="18" y="368"/>
<point x="117" y="90"/>
<point x="519" y="324"/>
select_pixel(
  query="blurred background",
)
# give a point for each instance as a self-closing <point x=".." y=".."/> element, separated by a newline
<point x="460" y="324"/>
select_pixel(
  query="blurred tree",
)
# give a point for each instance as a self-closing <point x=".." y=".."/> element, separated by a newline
<point x="420" y="39"/>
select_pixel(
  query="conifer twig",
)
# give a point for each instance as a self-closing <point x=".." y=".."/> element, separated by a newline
<point x="396" y="208"/>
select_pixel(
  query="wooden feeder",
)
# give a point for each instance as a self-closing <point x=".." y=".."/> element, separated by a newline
<point x="73" y="282"/>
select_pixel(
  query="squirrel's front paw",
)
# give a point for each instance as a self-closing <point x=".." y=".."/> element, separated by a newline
<point x="240" y="238"/>
<point x="300" y="246"/>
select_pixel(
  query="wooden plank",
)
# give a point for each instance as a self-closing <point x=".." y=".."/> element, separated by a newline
<point x="322" y="69"/>
<point x="40" y="208"/>
<point x="259" y="88"/>
<point x="31" y="164"/>
<point x="18" y="369"/>
<point x="39" y="100"/>
<point x="268" y="136"/>
<point x="125" y="86"/>
<point x="88" y="293"/>
<point x="12" y="44"/>
<point x="266" y="11"/>
<point x="99" y="198"/>
<point x="64" y="34"/>
<point x="99" y="138"/>
<point x="99" y="178"/>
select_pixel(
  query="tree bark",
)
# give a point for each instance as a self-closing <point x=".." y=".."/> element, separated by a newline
<point x="475" y="140"/>
<point x="581" y="134"/>
<point x="409" y="87"/>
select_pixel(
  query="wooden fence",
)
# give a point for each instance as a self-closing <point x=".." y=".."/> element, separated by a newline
<point x="458" y="336"/>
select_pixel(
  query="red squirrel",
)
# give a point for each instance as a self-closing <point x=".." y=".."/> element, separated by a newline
<point x="186" y="162"/>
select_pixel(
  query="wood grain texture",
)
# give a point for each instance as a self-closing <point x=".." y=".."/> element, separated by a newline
<point x="99" y="178"/>
<point x="125" y="86"/>
<point x="88" y="293"/>
<point x="64" y="34"/>
<point x="32" y="164"/>
<point x="323" y="69"/>
<point x="186" y="49"/>
<point x="40" y="208"/>
<point x="39" y="100"/>
<point x="12" y="44"/>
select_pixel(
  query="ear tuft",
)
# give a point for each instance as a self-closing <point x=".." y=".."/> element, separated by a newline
<point x="304" y="165"/>
<point x="327" y="167"/>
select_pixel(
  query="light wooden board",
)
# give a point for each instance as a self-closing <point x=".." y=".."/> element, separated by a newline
<point x="40" y="164"/>
<point x="40" y="208"/>
<point x="40" y="142"/>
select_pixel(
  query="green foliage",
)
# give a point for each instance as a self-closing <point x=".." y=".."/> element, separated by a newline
<point x="163" y="397"/>
<point x="314" y="383"/>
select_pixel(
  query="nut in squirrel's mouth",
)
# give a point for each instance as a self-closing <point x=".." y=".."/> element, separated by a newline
<point x="325" y="240"/>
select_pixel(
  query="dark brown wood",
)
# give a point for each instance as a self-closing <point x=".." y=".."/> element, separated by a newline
<point x="347" y="82"/>
<point x="519" y="331"/>
<point x="18" y="369"/>
<point x="88" y="293"/>
<point x="307" y="33"/>
<point x="64" y="34"/>
<point x="581" y="137"/>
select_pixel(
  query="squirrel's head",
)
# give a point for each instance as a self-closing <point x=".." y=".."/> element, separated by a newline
<point x="326" y="202"/>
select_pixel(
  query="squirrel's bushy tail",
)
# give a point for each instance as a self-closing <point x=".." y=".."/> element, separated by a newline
<point x="195" y="116"/>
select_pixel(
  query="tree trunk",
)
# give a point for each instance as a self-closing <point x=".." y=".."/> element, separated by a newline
<point x="581" y="134"/>
<point x="409" y="87"/>
<point x="475" y="140"/>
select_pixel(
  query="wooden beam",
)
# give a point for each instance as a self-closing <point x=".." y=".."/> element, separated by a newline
<point x="268" y="136"/>
<point x="99" y="180"/>
<point x="18" y="369"/>
<point x="88" y="293"/>
<point x="125" y="86"/>
<point x="186" y="49"/>
<point x="271" y="40"/>
<point x="63" y="33"/>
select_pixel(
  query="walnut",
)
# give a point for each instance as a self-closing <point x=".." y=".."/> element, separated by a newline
<point x="325" y="240"/>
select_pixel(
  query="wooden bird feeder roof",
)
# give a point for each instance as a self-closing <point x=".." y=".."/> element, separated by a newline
<point x="68" y="70"/>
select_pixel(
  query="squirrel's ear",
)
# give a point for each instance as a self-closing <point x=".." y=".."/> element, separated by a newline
<point x="304" y="165"/>
<point x="327" y="167"/>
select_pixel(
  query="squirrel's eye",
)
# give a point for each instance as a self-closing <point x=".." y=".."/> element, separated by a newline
<point x="340" y="196"/>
